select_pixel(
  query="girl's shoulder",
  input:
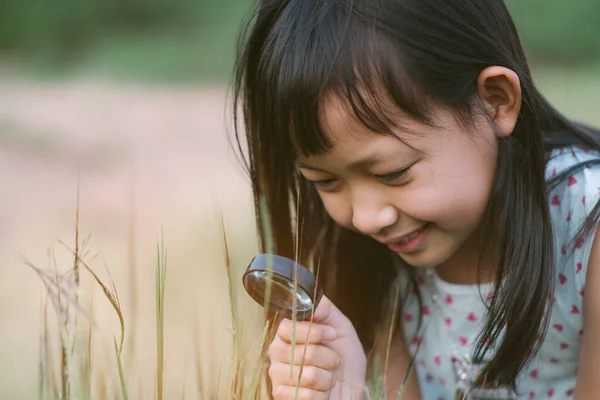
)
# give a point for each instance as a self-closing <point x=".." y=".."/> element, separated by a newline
<point x="573" y="174"/>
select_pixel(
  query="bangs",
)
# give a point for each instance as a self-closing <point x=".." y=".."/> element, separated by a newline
<point x="329" y="51"/>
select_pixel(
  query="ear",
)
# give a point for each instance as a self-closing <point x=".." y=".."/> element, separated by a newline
<point x="500" y="90"/>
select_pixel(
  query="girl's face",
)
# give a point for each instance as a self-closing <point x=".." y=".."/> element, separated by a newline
<point x="422" y="193"/>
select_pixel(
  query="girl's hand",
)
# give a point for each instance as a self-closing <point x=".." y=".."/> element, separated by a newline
<point x="334" y="364"/>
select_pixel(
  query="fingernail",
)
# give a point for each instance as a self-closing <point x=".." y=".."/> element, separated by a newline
<point x="329" y="334"/>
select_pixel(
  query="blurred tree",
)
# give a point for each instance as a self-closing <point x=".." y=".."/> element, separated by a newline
<point x="35" y="24"/>
<point x="552" y="30"/>
<point x="65" y="25"/>
<point x="558" y="30"/>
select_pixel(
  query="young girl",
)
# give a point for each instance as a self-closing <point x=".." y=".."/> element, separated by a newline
<point x="403" y="145"/>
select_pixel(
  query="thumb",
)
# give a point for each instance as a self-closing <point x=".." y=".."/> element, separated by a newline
<point x="328" y="314"/>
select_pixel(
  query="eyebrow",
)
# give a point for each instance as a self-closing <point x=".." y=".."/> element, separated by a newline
<point x="304" y="166"/>
<point x="361" y="162"/>
<point x="368" y="159"/>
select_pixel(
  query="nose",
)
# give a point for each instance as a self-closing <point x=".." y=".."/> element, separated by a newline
<point x="372" y="218"/>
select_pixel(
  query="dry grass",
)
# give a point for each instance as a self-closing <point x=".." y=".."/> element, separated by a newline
<point x="77" y="378"/>
<point x="74" y="376"/>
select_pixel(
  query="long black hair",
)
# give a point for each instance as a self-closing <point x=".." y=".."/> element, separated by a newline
<point x="417" y="53"/>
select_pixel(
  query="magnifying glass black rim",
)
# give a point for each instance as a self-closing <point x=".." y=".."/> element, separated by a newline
<point x="283" y="268"/>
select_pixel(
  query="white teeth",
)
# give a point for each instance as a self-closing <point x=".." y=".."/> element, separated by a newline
<point x="410" y="237"/>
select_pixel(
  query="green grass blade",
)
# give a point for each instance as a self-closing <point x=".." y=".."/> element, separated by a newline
<point x="268" y="234"/>
<point x="411" y="367"/>
<point x="378" y="382"/>
<point x="121" y="374"/>
<point x="255" y="383"/>
<point x="236" y="383"/>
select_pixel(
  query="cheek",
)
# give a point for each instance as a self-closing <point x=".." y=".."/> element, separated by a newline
<point x="338" y="208"/>
<point x="453" y="188"/>
<point x="464" y="207"/>
<point x="453" y="202"/>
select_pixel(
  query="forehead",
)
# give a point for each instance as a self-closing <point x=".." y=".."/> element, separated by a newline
<point x="342" y="116"/>
<point x="353" y="144"/>
<point x="344" y="128"/>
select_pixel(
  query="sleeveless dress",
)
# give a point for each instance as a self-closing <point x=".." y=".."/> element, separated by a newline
<point x="452" y="315"/>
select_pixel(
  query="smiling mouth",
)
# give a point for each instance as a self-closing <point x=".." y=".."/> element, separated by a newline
<point x="407" y="238"/>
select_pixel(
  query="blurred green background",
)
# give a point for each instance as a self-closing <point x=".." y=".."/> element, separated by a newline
<point x="186" y="40"/>
<point x="175" y="40"/>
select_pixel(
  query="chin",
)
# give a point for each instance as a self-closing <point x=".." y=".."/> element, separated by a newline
<point x="424" y="258"/>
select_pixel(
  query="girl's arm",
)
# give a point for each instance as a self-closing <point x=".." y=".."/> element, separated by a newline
<point x="588" y="377"/>
<point x="399" y="361"/>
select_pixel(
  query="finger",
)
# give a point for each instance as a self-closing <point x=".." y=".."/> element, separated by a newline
<point x="289" y="393"/>
<point x="314" y="378"/>
<point x="305" y="332"/>
<point x="313" y="355"/>
<point x="328" y="314"/>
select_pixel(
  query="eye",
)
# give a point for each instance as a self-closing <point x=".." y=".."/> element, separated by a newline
<point x="324" y="183"/>
<point x="394" y="176"/>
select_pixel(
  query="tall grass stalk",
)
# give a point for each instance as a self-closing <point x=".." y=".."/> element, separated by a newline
<point x="112" y="296"/>
<point x="121" y="374"/>
<point x="391" y="332"/>
<point x="46" y="362"/>
<point x="297" y="250"/>
<point x="237" y="381"/>
<point x="314" y="296"/>
<point x="268" y="235"/>
<point x="198" y="364"/>
<point x="84" y="360"/>
<point x="87" y="355"/>
<point x="62" y="322"/>
<point x="270" y="324"/>
<point x="76" y="277"/>
<point x="76" y="252"/>
<point x="132" y="266"/>
<point x="295" y="308"/>
<point x="254" y="389"/>
<point x="41" y="357"/>
<point x="161" y="274"/>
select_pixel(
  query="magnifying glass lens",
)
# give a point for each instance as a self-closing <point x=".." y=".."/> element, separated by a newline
<point x="282" y="292"/>
<point x="292" y="289"/>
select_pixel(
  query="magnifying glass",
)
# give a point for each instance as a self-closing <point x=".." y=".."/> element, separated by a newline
<point x="292" y="286"/>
